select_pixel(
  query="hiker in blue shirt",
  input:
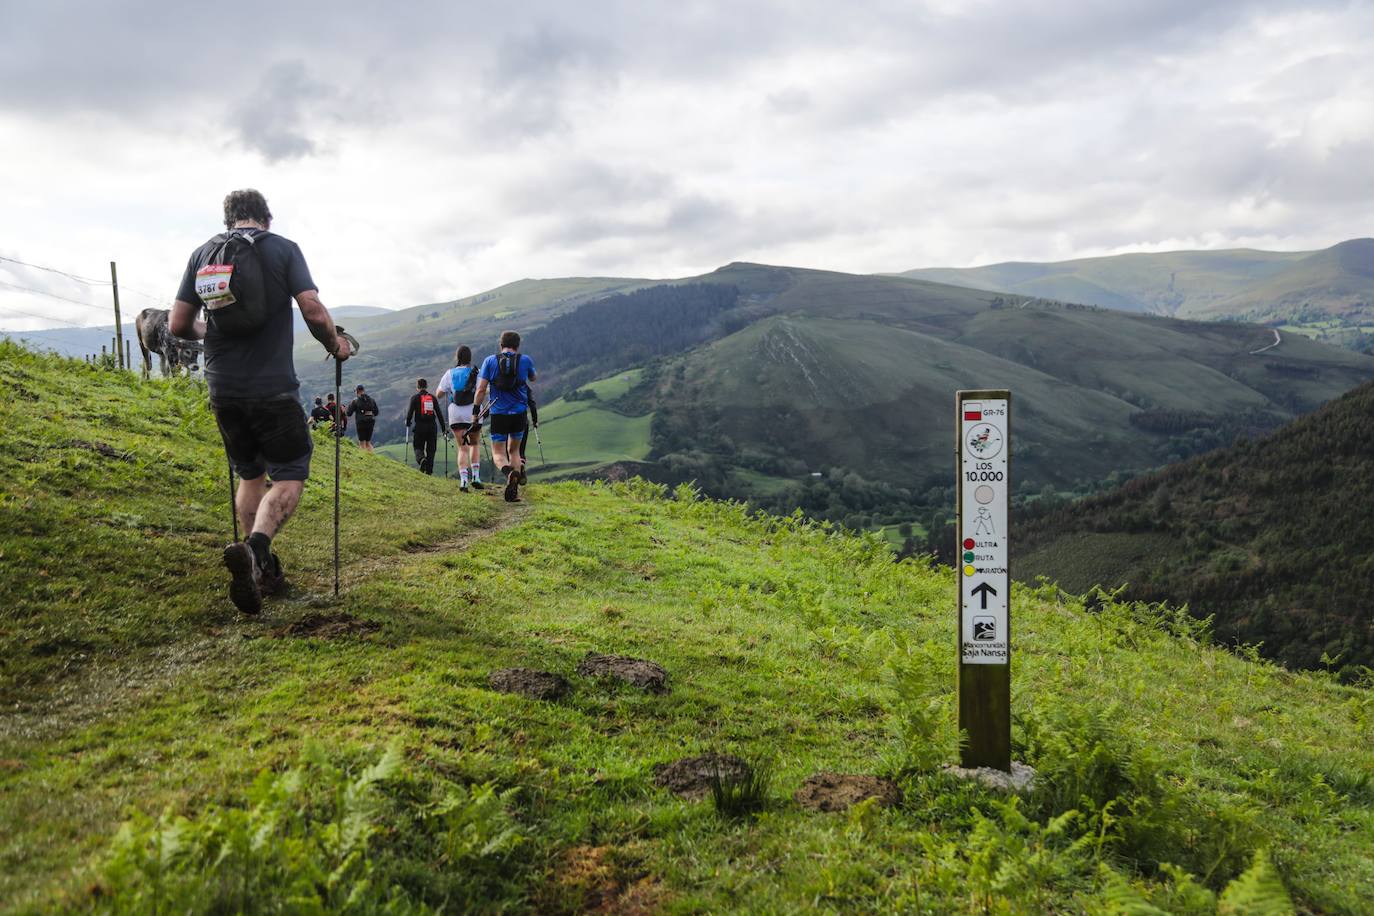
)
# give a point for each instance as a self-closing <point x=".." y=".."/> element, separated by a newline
<point x="506" y="375"/>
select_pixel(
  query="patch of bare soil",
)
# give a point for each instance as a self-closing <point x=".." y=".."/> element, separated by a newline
<point x="691" y="777"/>
<point x="104" y="449"/>
<point x="839" y="791"/>
<point x="326" y="626"/>
<point x="600" y="879"/>
<point x="537" y="685"/>
<point x="636" y="672"/>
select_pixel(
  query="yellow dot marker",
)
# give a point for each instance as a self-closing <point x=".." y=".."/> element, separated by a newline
<point x="969" y="570"/>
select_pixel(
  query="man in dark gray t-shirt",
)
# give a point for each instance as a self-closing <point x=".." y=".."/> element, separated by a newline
<point x="253" y="392"/>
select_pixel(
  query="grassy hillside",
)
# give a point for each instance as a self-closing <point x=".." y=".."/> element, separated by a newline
<point x="353" y="755"/>
<point x="1269" y="536"/>
<point x="1335" y="283"/>
<point x="402" y="346"/>
<point x="844" y="360"/>
<point x="1182" y="283"/>
<point x="754" y="397"/>
<point x="1298" y="288"/>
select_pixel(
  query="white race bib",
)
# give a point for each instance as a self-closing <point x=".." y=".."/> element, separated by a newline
<point x="212" y="285"/>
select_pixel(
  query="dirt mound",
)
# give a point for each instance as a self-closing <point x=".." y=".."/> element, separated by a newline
<point x="637" y="672"/>
<point x="537" y="685"/>
<point x="838" y="791"/>
<point x="691" y="777"/>
<point x="326" y="626"/>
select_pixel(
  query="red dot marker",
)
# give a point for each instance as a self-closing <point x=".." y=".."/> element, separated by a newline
<point x="968" y="543"/>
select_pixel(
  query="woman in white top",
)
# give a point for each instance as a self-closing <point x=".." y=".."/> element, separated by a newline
<point x="458" y="385"/>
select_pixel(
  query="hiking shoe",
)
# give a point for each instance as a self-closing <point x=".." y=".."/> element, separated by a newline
<point x="245" y="586"/>
<point x="462" y="488"/>
<point x="512" y="486"/>
<point x="478" y="485"/>
<point x="274" y="580"/>
<point x="524" y="479"/>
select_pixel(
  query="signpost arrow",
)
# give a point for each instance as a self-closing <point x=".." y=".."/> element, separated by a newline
<point x="983" y="591"/>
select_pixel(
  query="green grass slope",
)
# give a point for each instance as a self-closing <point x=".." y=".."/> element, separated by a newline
<point x="418" y="342"/>
<point x="1270" y="536"/>
<point x="1335" y="283"/>
<point x="1183" y="283"/>
<point x="371" y="766"/>
<point x="793" y="393"/>
<point x="1298" y="287"/>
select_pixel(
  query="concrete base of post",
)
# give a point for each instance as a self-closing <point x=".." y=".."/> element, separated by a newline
<point x="1020" y="780"/>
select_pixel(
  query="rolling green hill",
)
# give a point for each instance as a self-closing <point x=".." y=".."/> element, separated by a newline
<point x="1271" y="536"/>
<point x="1182" y="283"/>
<point x="160" y="754"/>
<point x="832" y="391"/>
<point x="1297" y="288"/>
<point x="1335" y="283"/>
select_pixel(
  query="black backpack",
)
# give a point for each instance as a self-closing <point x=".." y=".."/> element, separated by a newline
<point x="464" y="397"/>
<point x="507" y="372"/>
<point x="231" y="285"/>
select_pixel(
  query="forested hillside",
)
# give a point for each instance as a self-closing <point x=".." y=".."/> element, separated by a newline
<point x="1273" y="537"/>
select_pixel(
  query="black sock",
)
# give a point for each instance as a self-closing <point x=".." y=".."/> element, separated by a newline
<point x="262" y="549"/>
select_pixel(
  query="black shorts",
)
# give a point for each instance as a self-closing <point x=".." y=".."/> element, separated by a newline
<point x="462" y="427"/>
<point x="504" y="424"/>
<point x="265" y="436"/>
<point x="365" y="430"/>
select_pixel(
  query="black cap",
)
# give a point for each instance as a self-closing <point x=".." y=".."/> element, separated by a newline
<point x="359" y="388"/>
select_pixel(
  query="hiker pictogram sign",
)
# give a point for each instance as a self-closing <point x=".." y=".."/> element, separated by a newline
<point x="983" y="532"/>
<point x="983" y="468"/>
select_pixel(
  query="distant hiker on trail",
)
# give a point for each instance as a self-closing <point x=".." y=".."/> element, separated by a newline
<point x="365" y="409"/>
<point x="338" y="423"/>
<point x="423" y="413"/>
<point x="245" y="279"/>
<point x="319" y="414"/>
<point x="459" y="384"/>
<point x="507" y="375"/>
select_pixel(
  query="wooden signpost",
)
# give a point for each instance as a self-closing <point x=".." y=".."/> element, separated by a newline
<point x="983" y="424"/>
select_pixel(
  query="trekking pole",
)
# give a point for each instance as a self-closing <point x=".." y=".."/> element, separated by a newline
<point x="233" y="499"/>
<point x="539" y="442"/>
<point x="338" y="443"/>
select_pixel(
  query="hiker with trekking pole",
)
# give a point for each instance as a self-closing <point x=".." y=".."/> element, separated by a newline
<point x="245" y="280"/>
<point x="459" y="385"/>
<point x="423" y="412"/>
<point x="506" y="376"/>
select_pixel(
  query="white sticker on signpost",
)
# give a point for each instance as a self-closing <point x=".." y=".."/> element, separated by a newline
<point x="984" y="582"/>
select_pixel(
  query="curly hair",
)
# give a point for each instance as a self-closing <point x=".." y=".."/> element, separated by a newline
<point x="245" y="204"/>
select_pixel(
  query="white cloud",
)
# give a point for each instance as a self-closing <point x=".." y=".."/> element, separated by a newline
<point x="433" y="150"/>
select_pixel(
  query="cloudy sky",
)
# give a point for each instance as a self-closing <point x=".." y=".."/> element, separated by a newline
<point x="421" y="151"/>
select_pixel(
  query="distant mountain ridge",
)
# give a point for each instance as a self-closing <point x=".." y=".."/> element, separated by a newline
<point x="1240" y="284"/>
<point x="803" y="365"/>
<point x="1273" y="536"/>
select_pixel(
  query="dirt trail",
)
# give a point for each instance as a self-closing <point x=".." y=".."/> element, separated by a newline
<point x="109" y="687"/>
<point x="508" y="515"/>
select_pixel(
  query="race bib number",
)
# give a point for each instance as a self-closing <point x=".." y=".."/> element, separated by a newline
<point x="212" y="285"/>
<point x="427" y="406"/>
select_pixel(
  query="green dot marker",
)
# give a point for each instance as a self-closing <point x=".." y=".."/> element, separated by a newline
<point x="968" y="557"/>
